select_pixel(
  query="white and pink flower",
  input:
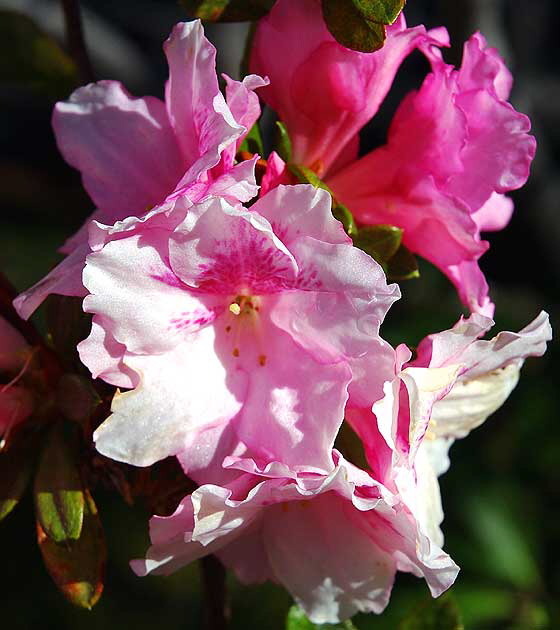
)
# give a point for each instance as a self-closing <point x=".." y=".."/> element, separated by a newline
<point x="263" y="318"/>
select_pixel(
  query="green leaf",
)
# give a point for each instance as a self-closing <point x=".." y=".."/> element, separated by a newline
<point x="253" y="141"/>
<point x="15" y="469"/>
<point x="436" y="614"/>
<point x="402" y="266"/>
<point x="349" y="27"/>
<point x="360" y="24"/>
<point x="306" y="176"/>
<point x="31" y="58"/>
<point x="77" y="566"/>
<point x="382" y="11"/>
<point x="59" y="495"/>
<point x="283" y="142"/>
<point x="297" y="620"/>
<point x="381" y="242"/>
<point x="228" y="10"/>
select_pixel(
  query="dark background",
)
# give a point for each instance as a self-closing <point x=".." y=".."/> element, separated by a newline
<point x="501" y="495"/>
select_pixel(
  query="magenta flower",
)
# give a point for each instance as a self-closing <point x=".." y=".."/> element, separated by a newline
<point x="258" y="317"/>
<point x="324" y="92"/>
<point x="333" y="541"/>
<point x="454" y="148"/>
<point x="135" y="153"/>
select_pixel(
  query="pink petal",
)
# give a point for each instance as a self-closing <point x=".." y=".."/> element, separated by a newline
<point x="202" y="122"/>
<point x="124" y="147"/>
<point x="293" y="406"/>
<point x="299" y="210"/>
<point x="64" y="279"/>
<point x="149" y="308"/>
<point x="330" y="580"/>
<point x="323" y="92"/>
<point x="184" y="390"/>
<point x="229" y="250"/>
<point x="495" y="214"/>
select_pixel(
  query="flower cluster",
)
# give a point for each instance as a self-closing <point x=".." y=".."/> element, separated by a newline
<point x="247" y="337"/>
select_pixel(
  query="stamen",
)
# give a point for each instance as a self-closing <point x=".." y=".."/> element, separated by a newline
<point x="235" y="308"/>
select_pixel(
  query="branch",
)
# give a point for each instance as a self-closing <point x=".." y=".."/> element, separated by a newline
<point x="75" y="40"/>
<point x="214" y="582"/>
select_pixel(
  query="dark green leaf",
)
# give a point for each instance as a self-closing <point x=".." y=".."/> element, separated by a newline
<point x="349" y="27"/>
<point x="381" y="242"/>
<point x="306" y="176"/>
<point x="253" y="141"/>
<point x="15" y="469"/>
<point x="31" y="58"/>
<point x="77" y="566"/>
<point x="360" y="24"/>
<point x="402" y="266"/>
<point x="296" y="620"/>
<point x="341" y="212"/>
<point x="59" y="495"/>
<point x="436" y="614"/>
<point x="382" y="11"/>
<point x="228" y="10"/>
<point x="283" y="142"/>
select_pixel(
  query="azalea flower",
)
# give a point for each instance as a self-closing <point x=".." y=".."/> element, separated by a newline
<point x="454" y="147"/>
<point x="333" y="541"/>
<point x="264" y="318"/>
<point x="136" y="153"/>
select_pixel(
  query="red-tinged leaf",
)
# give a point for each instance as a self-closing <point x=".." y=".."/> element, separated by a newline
<point x="59" y="495"/>
<point x="76" y="397"/>
<point x="77" y="567"/>
<point x="15" y="469"/>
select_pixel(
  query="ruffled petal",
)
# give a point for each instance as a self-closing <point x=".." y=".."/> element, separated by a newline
<point x="124" y="147"/>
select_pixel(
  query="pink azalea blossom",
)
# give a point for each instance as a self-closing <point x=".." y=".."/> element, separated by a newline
<point x="333" y="541"/>
<point x="262" y="318"/>
<point x="323" y="91"/>
<point x="454" y="148"/>
<point x="136" y="153"/>
<point x="454" y="384"/>
<point x="16" y="401"/>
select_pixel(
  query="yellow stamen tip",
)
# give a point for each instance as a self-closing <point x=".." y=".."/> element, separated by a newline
<point x="235" y="308"/>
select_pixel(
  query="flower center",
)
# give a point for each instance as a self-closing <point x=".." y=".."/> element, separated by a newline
<point x="245" y="310"/>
